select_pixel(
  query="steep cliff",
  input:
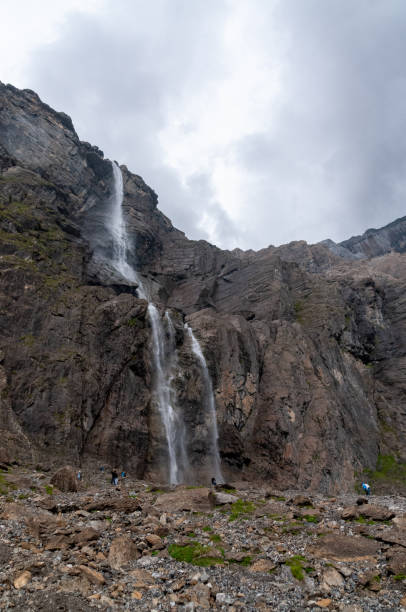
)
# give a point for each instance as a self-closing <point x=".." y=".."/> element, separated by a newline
<point x="306" y="344"/>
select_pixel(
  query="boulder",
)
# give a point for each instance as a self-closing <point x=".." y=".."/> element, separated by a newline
<point x="345" y="548"/>
<point x="122" y="551"/>
<point x="350" y="513"/>
<point x="92" y="575"/>
<point x="221" y="499"/>
<point x="262" y="565"/>
<point x="301" y="500"/>
<point x="22" y="579"/>
<point x="376" y="513"/>
<point x="400" y="521"/>
<point x="183" y="499"/>
<point x="396" y="558"/>
<point x="331" y="579"/>
<point x="65" y="480"/>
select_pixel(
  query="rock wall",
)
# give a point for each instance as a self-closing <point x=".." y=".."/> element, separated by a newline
<point x="306" y="345"/>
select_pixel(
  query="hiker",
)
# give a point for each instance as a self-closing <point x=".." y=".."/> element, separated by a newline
<point x="213" y="482"/>
<point x="366" y="488"/>
<point x="123" y="474"/>
<point x="102" y="468"/>
<point x="114" y="478"/>
<point x="79" y="475"/>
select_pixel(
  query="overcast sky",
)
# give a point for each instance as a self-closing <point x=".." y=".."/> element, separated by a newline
<point x="257" y="122"/>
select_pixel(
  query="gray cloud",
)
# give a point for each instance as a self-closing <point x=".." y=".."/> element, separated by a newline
<point x="331" y="162"/>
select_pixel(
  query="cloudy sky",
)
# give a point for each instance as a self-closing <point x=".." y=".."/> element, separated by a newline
<point x="257" y="122"/>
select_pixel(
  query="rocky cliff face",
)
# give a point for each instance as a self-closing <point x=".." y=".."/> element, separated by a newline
<point x="306" y="344"/>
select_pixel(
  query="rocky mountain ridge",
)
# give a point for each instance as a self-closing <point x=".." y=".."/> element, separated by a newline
<point x="306" y="344"/>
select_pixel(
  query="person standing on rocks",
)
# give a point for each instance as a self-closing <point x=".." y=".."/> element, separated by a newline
<point x="79" y="475"/>
<point x="366" y="488"/>
<point x="114" y="478"/>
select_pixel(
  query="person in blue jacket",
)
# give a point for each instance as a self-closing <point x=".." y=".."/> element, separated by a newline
<point x="366" y="488"/>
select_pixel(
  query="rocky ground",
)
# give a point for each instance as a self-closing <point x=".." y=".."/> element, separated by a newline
<point x="136" y="546"/>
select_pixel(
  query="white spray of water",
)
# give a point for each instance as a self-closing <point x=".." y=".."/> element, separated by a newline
<point x="210" y="403"/>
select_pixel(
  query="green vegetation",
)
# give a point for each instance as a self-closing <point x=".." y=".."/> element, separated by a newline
<point x="215" y="537"/>
<point x="5" y="486"/>
<point x="28" y="340"/>
<point x="399" y="577"/>
<point x="191" y="534"/>
<point x="297" y="567"/>
<point x="388" y="471"/>
<point x="154" y="553"/>
<point x="240" y="509"/>
<point x="207" y="528"/>
<point x="311" y="518"/>
<point x="363" y="521"/>
<point x="134" y="322"/>
<point x="49" y="489"/>
<point x="194" y="553"/>
<point x="278" y="498"/>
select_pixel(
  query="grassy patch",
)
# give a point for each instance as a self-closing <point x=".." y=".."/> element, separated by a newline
<point x="399" y="577"/>
<point x="240" y="509"/>
<point x="297" y="567"/>
<point x="388" y="471"/>
<point x="194" y="553"/>
<point x="363" y="521"/>
<point x="207" y="528"/>
<point x="49" y="489"/>
<point x="5" y="486"/>
<point x="311" y="518"/>
<point x="215" y="537"/>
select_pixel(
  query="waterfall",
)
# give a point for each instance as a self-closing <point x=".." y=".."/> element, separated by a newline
<point x="164" y="354"/>
<point x="163" y="348"/>
<point x="210" y="405"/>
<point x="165" y="362"/>
<point x="121" y="246"/>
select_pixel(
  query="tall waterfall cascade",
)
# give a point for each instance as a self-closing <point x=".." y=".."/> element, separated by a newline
<point x="164" y="355"/>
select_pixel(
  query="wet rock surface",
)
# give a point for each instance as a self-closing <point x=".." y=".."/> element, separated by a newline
<point x="251" y="554"/>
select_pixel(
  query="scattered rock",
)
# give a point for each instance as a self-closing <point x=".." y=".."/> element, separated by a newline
<point x="221" y="499"/>
<point x="345" y="548"/>
<point x="262" y="565"/>
<point x="324" y="603"/>
<point x="331" y="579"/>
<point x="65" y="479"/>
<point x="302" y="500"/>
<point x="22" y="579"/>
<point x="122" y="551"/>
<point x="92" y="575"/>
